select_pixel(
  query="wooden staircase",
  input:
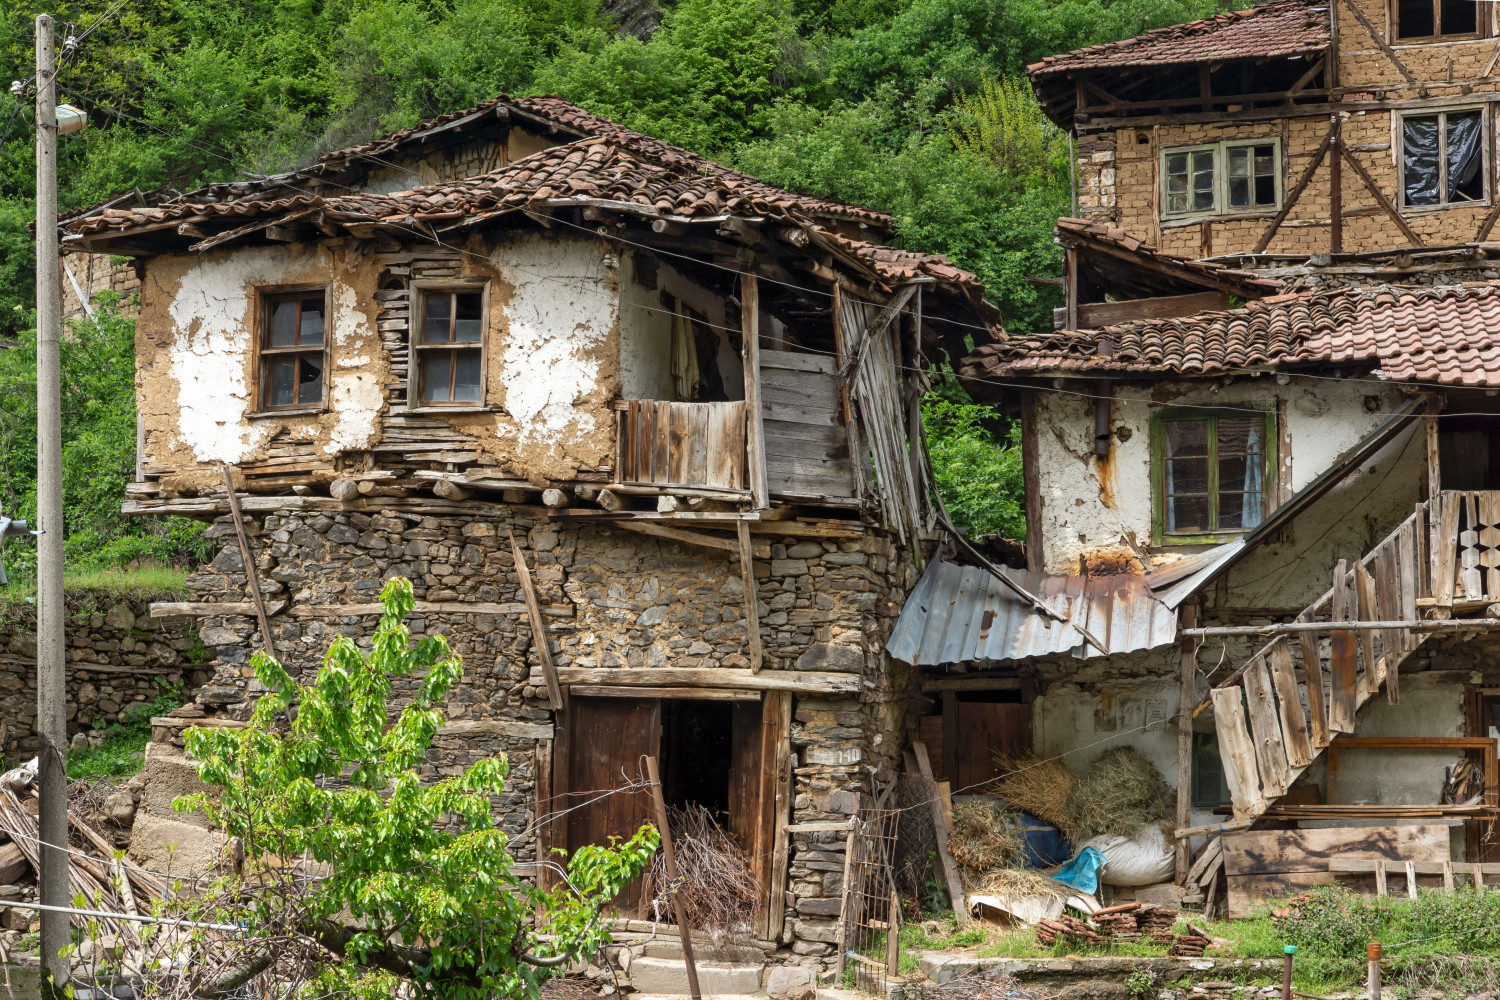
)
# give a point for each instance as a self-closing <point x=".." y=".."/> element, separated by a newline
<point x="1273" y="720"/>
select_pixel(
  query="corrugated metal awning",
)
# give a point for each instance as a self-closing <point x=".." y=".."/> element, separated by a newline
<point x="959" y="613"/>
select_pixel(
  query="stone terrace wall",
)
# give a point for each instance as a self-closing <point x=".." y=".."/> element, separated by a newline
<point x="117" y="656"/>
<point x="618" y="599"/>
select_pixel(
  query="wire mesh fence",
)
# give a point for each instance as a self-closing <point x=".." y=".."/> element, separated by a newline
<point x="872" y="910"/>
<point x="915" y="859"/>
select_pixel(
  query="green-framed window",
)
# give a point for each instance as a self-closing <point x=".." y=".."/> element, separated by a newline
<point x="1211" y="472"/>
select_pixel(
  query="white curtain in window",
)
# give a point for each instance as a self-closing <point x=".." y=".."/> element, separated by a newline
<point x="1254" y="508"/>
<point x="684" y="356"/>
<point x="1171" y="502"/>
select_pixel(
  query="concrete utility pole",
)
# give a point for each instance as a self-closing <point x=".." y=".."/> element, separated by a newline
<point x="51" y="684"/>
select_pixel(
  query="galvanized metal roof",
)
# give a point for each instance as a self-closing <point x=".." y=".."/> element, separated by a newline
<point x="959" y="613"/>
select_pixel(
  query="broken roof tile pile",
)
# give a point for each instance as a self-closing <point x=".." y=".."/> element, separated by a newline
<point x="1291" y="27"/>
<point x="1086" y="233"/>
<point x="1445" y="335"/>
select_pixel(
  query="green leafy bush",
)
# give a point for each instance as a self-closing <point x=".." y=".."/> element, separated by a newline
<point x="123" y="750"/>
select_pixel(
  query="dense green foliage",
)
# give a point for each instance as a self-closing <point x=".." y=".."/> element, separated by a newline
<point x="123" y="747"/>
<point x="915" y="107"/>
<point x="98" y="421"/>
<point x="418" y="863"/>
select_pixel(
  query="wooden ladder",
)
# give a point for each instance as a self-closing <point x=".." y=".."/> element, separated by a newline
<point x="1273" y="719"/>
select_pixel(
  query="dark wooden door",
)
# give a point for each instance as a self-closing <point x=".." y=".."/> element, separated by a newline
<point x="985" y="729"/>
<point x="606" y="739"/>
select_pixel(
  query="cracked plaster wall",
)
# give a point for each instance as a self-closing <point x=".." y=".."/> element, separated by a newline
<point x="1100" y="510"/>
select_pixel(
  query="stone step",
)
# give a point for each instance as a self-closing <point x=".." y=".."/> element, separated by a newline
<point x="725" y="952"/>
<point x="668" y="977"/>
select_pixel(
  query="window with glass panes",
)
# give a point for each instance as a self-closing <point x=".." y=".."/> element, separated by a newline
<point x="292" y="350"/>
<point x="1435" y="18"/>
<point x="1227" y="177"/>
<point x="449" y="347"/>
<point x="1210" y="472"/>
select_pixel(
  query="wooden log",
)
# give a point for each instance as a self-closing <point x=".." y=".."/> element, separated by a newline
<point x="1343" y="698"/>
<point x="761" y="550"/>
<point x="554" y="498"/>
<point x="450" y="490"/>
<point x="805" y="681"/>
<point x="343" y="488"/>
<point x="610" y="500"/>
<point x="945" y="859"/>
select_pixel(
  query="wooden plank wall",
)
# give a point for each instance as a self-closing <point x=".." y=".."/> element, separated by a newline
<point x="683" y="444"/>
<point x="807" y="443"/>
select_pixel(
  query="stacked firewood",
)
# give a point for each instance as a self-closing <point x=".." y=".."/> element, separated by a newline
<point x="1192" y="944"/>
<point x="1069" y="930"/>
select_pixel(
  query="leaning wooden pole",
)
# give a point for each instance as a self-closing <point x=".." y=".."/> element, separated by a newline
<point x="248" y="556"/>
<point x="1186" y="696"/>
<point x="654" y="776"/>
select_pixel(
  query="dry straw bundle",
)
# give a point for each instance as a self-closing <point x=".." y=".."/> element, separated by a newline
<point x="1122" y="792"/>
<point x="719" y="890"/>
<point x="1040" y="787"/>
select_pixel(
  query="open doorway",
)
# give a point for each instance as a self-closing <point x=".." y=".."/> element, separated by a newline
<point x="730" y="757"/>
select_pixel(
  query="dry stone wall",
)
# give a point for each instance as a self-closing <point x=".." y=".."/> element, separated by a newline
<point x="118" y="656"/>
<point x="614" y="599"/>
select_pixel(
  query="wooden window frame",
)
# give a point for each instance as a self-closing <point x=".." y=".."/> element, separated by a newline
<point x="1269" y="459"/>
<point x="1221" y="209"/>
<point x="1481" y="26"/>
<point x="264" y="297"/>
<point x="415" y="348"/>
<point x="1198" y="799"/>
<point x="1486" y="165"/>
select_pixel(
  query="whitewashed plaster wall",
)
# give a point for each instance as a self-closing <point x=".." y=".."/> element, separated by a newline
<point x="1095" y="508"/>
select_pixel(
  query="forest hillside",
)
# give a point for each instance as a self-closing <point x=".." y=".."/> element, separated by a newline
<point x="915" y="107"/>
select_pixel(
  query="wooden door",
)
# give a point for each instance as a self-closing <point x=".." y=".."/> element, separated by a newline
<point x="985" y="729"/>
<point x="606" y="739"/>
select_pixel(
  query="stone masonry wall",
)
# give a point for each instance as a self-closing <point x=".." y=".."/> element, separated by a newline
<point x="118" y="656"/>
<point x="614" y="599"/>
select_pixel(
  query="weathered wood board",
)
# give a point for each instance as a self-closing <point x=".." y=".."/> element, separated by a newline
<point x="1261" y="865"/>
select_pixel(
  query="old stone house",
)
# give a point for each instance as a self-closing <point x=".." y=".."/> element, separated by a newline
<point x="1268" y="407"/>
<point x="642" y="431"/>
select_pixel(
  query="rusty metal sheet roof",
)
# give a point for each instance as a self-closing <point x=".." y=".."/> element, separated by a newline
<point x="960" y="613"/>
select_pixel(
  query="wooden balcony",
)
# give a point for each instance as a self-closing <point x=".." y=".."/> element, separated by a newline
<point x="681" y="444"/>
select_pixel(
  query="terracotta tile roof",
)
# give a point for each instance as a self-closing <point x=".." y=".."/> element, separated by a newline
<point x="554" y="111"/>
<point x="1082" y="232"/>
<point x="1449" y="335"/>
<point x="1287" y="28"/>
<point x="590" y="171"/>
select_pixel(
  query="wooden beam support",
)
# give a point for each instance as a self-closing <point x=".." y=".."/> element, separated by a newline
<point x="755" y="465"/>
<point x="1336" y="190"/>
<point x="1379" y="39"/>
<point x="538" y="627"/>
<point x="761" y="550"/>
<point x="752" y="602"/>
<point x="248" y="556"/>
<point x="1380" y="198"/>
<point x="1296" y="193"/>
<point x="1187" y="691"/>
<point x="940" y="821"/>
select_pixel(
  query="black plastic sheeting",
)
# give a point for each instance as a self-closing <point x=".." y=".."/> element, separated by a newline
<point x="1423" y="159"/>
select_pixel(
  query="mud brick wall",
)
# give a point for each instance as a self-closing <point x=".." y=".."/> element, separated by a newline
<point x="117" y="656"/>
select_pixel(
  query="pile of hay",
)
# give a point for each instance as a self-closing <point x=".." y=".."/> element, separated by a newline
<point x="719" y="890"/>
<point x="988" y="843"/>
<point x="1040" y="787"/>
<point x="1122" y="792"/>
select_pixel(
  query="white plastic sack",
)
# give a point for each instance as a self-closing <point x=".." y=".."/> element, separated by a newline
<point x="1145" y="859"/>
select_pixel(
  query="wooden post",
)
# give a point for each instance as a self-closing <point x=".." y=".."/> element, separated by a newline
<point x="251" y="576"/>
<point x="1185" y="700"/>
<point x="1434" y="466"/>
<point x="752" y="602"/>
<point x="755" y="443"/>
<point x="1070" y="279"/>
<point x="838" y="962"/>
<point x="893" y="936"/>
<point x="1336" y="189"/>
<point x="1286" y="971"/>
<point x="940" y="823"/>
<point x="653" y="775"/>
<point x="1372" y="952"/>
<point x="538" y="626"/>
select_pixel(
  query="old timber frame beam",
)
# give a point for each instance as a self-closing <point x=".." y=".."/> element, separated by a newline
<point x="538" y="627"/>
<point x="752" y="600"/>
<point x="1297" y="189"/>
<point x="248" y="557"/>
<point x="1288" y="628"/>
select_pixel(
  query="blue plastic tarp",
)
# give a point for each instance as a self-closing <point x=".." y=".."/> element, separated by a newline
<point x="1082" y="873"/>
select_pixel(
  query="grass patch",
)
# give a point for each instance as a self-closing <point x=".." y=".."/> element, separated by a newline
<point x="124" y="747"/>
<point x="149" y="580"/>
